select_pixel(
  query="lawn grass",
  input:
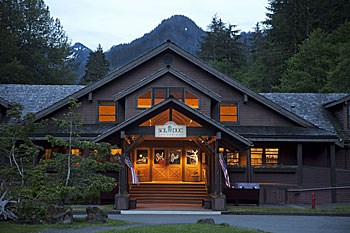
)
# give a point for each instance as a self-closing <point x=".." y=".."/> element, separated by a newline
<point x="334" y="210"/>
<point x="180" y="228"/>
<point x="78" y="223"/>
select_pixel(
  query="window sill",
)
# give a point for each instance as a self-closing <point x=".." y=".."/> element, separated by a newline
<point x="275" y="169"/>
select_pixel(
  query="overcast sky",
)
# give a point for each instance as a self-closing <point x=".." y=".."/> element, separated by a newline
<point x="112" y="22"/>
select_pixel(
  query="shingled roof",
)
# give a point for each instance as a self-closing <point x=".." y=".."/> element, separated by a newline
<point x="35" y="98"/>
<point x="308" y="106"/>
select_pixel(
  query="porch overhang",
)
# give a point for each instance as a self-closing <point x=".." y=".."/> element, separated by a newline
<point x="209" y="126"/>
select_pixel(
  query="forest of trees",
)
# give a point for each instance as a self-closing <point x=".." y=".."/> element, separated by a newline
<point x="302" y="46"/>
<point x="34" y="48"/>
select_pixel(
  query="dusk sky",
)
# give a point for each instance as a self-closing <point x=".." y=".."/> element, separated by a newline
<point x="112" y="22"/>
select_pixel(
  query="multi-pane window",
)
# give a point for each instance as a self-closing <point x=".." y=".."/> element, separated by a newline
<point x="256" y="155"/>
<point x="157" y="95"/>
<point x="191" y="99"/>
<point x="107" y="111"/>
<point x="232" y="159"/>
<point x="145" y="100"/>
<point x="264" y="156"/>
<point x="271" y="156"/>
<point x="228" y="112"/>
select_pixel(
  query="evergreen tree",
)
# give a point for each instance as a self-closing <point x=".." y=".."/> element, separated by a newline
<point x="33" y="46"/>
<point x="96" y="66"/>
<point x="321" y="65"/>
<point x="221" y="48"/>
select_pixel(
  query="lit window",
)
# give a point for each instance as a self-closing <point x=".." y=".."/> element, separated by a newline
<point x="256" y="155"/>
<point x="116" y="151"/>
<point x="159" y="94"/>
<point x="228" y="112"/>
<point x="75" y="152"/>
<point x="106" y="111"/>
<point x="145" y="100"/>
<point x="271" y="156"/>
<point x="191" y="100"/>
<point x="232" y="159"/>
<point x="47" y="153"/>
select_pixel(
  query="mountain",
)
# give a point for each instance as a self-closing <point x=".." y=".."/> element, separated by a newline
<point x="179" y="29"/>
<point x="79" y="54"/>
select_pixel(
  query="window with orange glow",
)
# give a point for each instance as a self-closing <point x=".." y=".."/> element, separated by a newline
<point x="228" y="112"/>
<point x="47" y="153"/>
<point x="159" y="94"/>
<point x="271" y="156"/>
<point x="75" y="152"/>
<point x="107" y="112"/>
<point x="256" y="155"/>
<point x="145" y="100"/>
<point x="191" y="99"/>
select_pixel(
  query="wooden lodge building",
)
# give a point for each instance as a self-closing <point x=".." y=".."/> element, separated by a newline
<point x="174" y="116"/>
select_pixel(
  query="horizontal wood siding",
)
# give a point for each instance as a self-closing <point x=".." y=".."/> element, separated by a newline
<point x="321" y="196"/>
<point x="315" y="154"/>
<point x="316" y="177"/>
<point x="343" y="177"/>
<point x="341" y="114"/>
<point x="342" y="158"/>
<point x="252" y="113"/>
<point x="275" y="177"/>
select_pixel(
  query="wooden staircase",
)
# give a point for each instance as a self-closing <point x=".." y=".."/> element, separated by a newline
<point x="169" y="193"/>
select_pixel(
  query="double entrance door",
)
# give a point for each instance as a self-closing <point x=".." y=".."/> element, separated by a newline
<point x="167" y="164"/>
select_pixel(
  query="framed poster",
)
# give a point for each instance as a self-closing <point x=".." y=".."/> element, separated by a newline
<point x="142" y="156"/>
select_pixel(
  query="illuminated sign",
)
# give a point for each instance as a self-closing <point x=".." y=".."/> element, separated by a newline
<point x="170" y="130"/>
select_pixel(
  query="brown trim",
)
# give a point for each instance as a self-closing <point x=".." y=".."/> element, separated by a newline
<point x="336" y="102"/>
<point x="300" y="164"/>
<point x="333" y="172"/>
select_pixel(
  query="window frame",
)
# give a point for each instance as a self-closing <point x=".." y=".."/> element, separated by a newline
<point x="115" y="112"/>
<point x="138" y="96"/>
<point x="237" y="113"/>
<point x="264" y="157"/>
<point x="181" y="90"/>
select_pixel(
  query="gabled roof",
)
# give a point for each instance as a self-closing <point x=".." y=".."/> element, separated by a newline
<point x="35" y="98"/>
<point x="186" y="110"/>
<point x="171" y="46"/>
<point x="308" y="106"/>
<point x="336" y="102"/>
<point x="160" y="73"/>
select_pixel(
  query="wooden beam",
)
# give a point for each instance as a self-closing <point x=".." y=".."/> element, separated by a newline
<point x="122" y="172"/>
<point x="333" y="173"/>
<point x="217" y="170"/>
<point x="300" y="164"/>
<point x="249" y="166"/>
<point x="138" y="141"/>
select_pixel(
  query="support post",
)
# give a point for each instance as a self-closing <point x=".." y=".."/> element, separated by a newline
<point x="300" y="164"/>
<point x="217" y="170"/>
<point x="218" y="200"/>
<point x="122" y="198"/>
<point x="249" y="166"/>
<point x="333" y="173"/>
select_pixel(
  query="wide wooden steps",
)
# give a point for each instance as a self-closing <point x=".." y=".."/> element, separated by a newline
<point x="173" y="193"/>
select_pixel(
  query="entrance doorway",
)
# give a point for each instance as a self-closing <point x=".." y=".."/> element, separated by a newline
<point x="168" y="165"/>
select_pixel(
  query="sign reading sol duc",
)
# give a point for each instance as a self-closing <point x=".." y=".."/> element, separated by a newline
<point x="170" y="130"/>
